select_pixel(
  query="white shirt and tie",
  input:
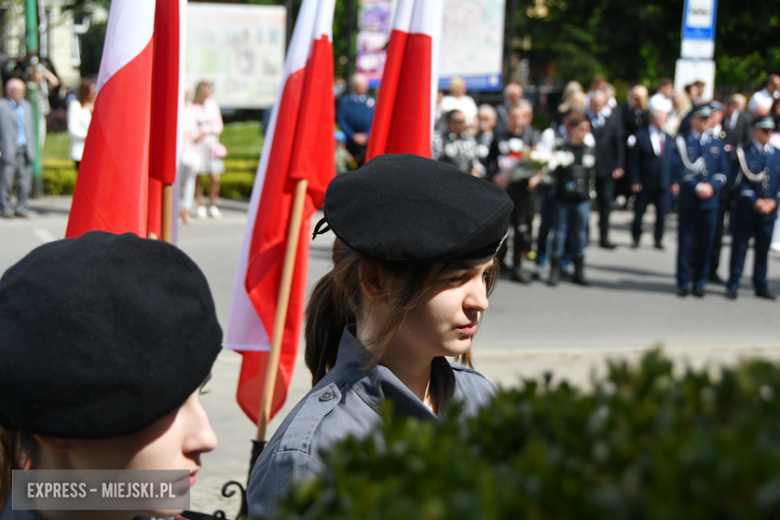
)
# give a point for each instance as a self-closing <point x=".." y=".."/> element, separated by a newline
<point x="658" y="140"/>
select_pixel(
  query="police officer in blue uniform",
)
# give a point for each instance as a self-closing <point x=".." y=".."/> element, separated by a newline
<point x="699" y="169"/>
<point x="413" y="264"/>
<point x="355" y="115"/>
<point x="756" y="171"/>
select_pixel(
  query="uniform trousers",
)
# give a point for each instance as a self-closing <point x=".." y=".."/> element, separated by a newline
<point x="695" y="226"/>
<point x="545" y="219"/>
<point x="570" y="219"/>
<point x="605" y="190"/>
<point x="20" y="170"/>
<point x="522" y="219"/>
<point x="724" y="205"/>
<point x="744" y="226"/>
<point x="658" y="197"/>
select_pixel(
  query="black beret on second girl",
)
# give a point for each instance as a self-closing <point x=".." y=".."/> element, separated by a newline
<point x="102" y="335"/>
<point x="405" y="208"/>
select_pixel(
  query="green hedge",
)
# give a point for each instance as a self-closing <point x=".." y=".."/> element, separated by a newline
<point x="59" y="178"/>
<point x="642" y="445"/>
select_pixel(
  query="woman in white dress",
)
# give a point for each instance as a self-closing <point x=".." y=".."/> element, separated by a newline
<point x="79" y="117"/>
<point x="209" y="119"/>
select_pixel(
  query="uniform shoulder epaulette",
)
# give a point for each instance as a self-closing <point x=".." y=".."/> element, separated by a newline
<point x="302" y="428"/>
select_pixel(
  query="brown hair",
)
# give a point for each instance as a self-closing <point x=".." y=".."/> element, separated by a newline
<point x="16" y="451"/>
<point x="577" y="119"/>
<point x="337" y="298"/>
<point x="197" y="98"/>
<point x="84" y="91"/>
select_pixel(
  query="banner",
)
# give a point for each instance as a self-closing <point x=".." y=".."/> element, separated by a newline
<point x="472" y="41"/>
<point x="239" y="49"/>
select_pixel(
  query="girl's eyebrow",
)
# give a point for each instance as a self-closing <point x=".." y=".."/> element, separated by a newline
<point x="461" y="267"/>
<point x="208" y="378"/>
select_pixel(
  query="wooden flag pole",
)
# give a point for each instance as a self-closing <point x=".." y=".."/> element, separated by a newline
<point x="296" y="217"/>
<point x="167" y="213"/>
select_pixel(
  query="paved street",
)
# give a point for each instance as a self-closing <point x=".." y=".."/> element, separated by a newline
<point x="527" y="331"/>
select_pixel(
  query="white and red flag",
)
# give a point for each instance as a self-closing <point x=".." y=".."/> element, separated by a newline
<point x="299" y="144"/>
<point x="167" y="104"/>
<point x="112" y="188"/>
<point x="410" y="81"/>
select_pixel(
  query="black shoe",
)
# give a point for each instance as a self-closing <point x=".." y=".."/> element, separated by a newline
<point x="518" y="275"/>
<point x="659" y="245"/>
<point x="606" y="244"/>
<point x="766" y="294"/>
<point x="731" y="294"/>
<point x="682" y="292"/>
<point x="9" y="216"/>
<point x="714" y="278"/>
<point x="579" y="272"/>
<point x="635" y="244"/>
<point x="555" y="272"/>
<point x="698" y="292"/>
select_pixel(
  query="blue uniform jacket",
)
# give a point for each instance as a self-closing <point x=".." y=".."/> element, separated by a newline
<point x="713" y="169"/>
<point x="648" y="169"/>
<point x="748" y="192"/>
<point x="346" y="402"/>
<point x="355" y="114"/>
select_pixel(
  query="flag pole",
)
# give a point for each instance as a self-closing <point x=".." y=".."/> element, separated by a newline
<point x="166" y="223"/>
<point x="293" y="236"/>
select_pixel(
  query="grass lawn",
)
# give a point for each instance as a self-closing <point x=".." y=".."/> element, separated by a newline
<point x="243" y="141"/>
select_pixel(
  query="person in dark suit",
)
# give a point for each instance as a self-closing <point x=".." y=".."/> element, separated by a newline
<point x="634" y="116"/>
<point x="17" y="146"/>
<point x="651" y="168"/>
<point x="610" y="155"/>
<point x="757" y="168"/>
<point x="735" y="129"/>
<point x="699" y="171"/>
<point x="355" y="114"/>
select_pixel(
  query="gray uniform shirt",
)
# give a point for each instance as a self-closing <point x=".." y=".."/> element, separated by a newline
<point x="347" y="402"/>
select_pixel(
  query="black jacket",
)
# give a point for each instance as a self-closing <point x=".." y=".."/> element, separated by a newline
<point x="610" y="146"/>
<point x="740" y="134"/>
<point x="653" y="172"/>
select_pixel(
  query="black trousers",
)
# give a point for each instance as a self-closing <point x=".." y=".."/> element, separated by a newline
<point x="605" y="189"/>
<point x="358" y="151"/>
<point x="521" y="220"/>
<point x="658" y="197"/>
<point x="724" y="205"/>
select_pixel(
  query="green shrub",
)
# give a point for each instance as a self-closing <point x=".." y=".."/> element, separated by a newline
<point x="232" y="185"/>
<point x="58" y="181"/>
<point x="642" y="445"/>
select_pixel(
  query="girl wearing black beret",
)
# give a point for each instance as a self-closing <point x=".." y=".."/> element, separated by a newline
<point x="107" y="341"/>
<point x="413" y="265"/>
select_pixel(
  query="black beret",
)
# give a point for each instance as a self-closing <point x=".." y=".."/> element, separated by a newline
<point x="766" y="122"/>
<point x="102" y="336"/>
<point x="405" y="208"/>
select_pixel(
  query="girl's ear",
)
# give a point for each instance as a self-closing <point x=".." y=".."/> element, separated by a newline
<point x="373" y="282"/>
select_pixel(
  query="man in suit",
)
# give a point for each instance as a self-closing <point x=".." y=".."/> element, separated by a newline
<point x="734" y="130"/>
<point x="757" y="169"/>
<point x="17" y="146"/>
<point x="610" y="156"/>
<point x="699" y="172"/>
<point x="651" y="174"/>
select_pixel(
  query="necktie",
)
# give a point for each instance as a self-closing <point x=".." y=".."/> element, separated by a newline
<point x="661" y="143"/>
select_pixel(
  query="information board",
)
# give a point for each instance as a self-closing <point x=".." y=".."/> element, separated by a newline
<point x="698" y="32"/>
<point x="237" y="48"/>
<point x="471" y="47"/>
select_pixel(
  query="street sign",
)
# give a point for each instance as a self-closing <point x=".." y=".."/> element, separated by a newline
<point x="698" y="31"/>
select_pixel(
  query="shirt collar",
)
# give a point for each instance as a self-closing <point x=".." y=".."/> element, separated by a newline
<point x="14" y="104"/>
<point x="377" y="384"/>
<point x="760" y="148"/>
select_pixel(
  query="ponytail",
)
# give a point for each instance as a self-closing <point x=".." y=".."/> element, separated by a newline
<point x="326" y="317"/>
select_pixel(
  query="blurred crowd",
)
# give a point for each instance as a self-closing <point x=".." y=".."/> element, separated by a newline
<point x="630" y="156"/>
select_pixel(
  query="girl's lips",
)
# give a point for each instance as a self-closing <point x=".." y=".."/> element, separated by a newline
<point x="193" y="478"/>
<point x="468" y="329"/>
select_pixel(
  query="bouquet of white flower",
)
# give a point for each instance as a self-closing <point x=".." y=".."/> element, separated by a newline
<point x="524" y="165"/>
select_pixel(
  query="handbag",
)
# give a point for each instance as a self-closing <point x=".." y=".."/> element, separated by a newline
<point x="219" y="151"/>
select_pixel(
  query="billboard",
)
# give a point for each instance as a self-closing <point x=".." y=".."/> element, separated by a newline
<point x="237" y="48"/>
<point x="472" y="41"/>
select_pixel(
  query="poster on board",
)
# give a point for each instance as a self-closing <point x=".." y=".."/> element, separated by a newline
<point x="472" y="41"/>
<point x="237" y="48"/>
